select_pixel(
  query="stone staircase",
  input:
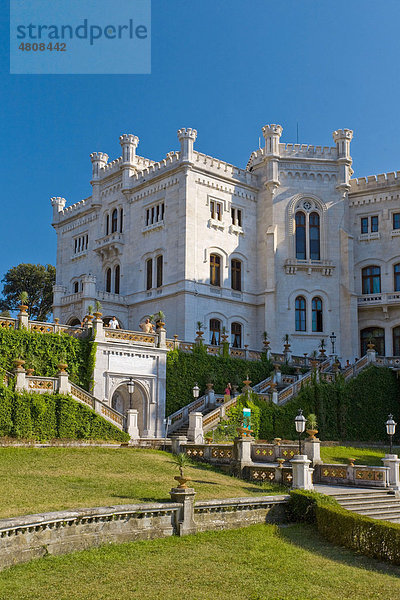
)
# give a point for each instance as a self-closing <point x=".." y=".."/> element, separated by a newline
<point x="377" y="504"/>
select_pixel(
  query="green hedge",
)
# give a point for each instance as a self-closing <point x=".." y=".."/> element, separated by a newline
<point x="45" y="417"/>
<point x="355" y="410"/>
<point x="373" y="538"/>
<point x="43" y="351"/>
<point x="186" y="369"/>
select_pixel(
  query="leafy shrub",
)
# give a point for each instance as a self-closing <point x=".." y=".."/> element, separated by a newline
<point x="373" y="538"/>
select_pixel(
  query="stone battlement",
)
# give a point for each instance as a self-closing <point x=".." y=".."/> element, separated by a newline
<point x="375" y="182"/>
<point x="220" y="167"/>
<point x="306" y="151"/>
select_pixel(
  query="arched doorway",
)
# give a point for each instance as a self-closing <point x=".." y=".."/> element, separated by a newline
<point x="106" y="321"/>
<point x="74" y="322"/>
<point x="120" y="401"/>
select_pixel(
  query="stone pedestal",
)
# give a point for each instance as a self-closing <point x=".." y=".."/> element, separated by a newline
<point x="195" y="431"/>
<point x="392" y="461"/>
<point x="275" y="396"/>
<point x="242" y="453"/>
<point x="64" y="386"/>
<point x="23" y="320"/>
<point x="162" y="337"/>
<point x="176" y="442"/>
<point x="185" y="496"/>
<point x="312" y="450"/>
<point x="132" y="423"/>
<point x="21" y="383"/>
<point x="371" y="355"/>
<point x="302" y="474"/>
<point x="98" y="329"/>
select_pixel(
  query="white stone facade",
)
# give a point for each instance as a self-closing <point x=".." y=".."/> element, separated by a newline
<point x="189" y="212"/>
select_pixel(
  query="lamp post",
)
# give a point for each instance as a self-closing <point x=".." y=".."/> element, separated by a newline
<point x="390" y="429"/>
<point x="332" y="337"/>
<point x="131" y="389"/>
<point x="195" y="391"/>
<point x="300" y="423"/>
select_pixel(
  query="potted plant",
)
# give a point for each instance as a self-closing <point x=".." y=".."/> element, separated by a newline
<point x="266" y="341"/>
<point x="199" y="331"/>
<point x="97" y="312"/>
<point x="322" y="347"/>
<point x="62" y="363"/>
<point x="18" y="364"/>
<point x="23" y="298"/>
<point x="314" y="359"/>
<point x="181" y="461"/>
<point x="89" y="316"/>
<point x="159" y="318"/>
<point x="371" y="343"/>
<point x="286" y="342"/>
<point x="312" y="426"/>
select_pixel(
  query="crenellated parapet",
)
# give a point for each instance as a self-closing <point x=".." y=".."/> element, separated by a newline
<point x="375" y="182"/>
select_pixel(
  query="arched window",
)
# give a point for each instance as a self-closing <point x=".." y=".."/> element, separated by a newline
<point x="236" y="274"/>
<point x="108" y="280"/>
<point x="215" y="332"/>
<point x="121" y="219"/>
<point x="396" y="270"/>
<point x="149" y="274"/>
<point x="107" y="224"/>
<point x="317" y="322"/>
<point x="159" y="271"/>
<point x="314" y="236"/>
<point x="76" y="287"/>
<point x="300" y="311"/>
<point x="236" y="335"/>
<point x="114" y="221"/>
<point x="396" y="341"/>
<point x="377" y="336"/>
<point x="215" y="269"/>
<point x="117" y="279"/>
<point x="371" y="280"/>
<point x="300" y="235"/>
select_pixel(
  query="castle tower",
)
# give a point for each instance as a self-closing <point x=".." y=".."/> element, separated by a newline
<point x="272" y="134"/>
<point x="99" y="160"/>
<point x="129" y="143"/>
<point x="58" y="205"/>
<point x="187" y="137"/>
<point x="342" y="139"/>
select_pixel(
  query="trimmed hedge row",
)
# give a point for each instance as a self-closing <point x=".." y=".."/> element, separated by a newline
<point x="343" y="409"/>
<point x="373" y="538"/>
<point x="44" y="417"/>
<point x="43" y="351"/>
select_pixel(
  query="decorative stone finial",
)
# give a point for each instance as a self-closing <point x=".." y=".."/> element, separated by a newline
<point x="129" y="143"/>
<point x="99" y="160"/>
<point x="187" y="137"/>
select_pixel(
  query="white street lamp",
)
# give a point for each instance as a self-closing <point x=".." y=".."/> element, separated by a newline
<point x="196" y="391"/>
<point x="390" y="430"/>
<point x="131" y="389"/>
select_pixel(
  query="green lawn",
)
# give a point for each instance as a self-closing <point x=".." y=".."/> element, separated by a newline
<point x="364" y="456"/>
<point x="34" y="480"/>
<point x="261" y="562"/>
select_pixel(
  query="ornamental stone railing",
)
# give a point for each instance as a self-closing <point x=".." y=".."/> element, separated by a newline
<point x="354" y="475"/>
<point x="34" y="536"/>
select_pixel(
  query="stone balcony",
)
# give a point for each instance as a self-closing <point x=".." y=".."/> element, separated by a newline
<point x="381" y="299"/>
<point x="110" y="245"/>
<point x="293" y="265"/>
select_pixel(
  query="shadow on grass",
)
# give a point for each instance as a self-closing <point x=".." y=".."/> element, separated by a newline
<point x="308" y="538"/>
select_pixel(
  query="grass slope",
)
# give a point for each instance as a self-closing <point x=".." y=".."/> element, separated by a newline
<point x="34" y="480"/>
<point x="363" y="456"/>
<point x="255" y="563"/>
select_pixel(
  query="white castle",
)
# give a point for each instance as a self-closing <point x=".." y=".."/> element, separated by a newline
<point x="288" y="245"/>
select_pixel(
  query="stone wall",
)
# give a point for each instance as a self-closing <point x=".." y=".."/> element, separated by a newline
<point x="34" y="536"/>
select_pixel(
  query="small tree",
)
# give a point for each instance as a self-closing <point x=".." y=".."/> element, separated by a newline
<point x="37" y="281"/>
<point x="181" y="461"/>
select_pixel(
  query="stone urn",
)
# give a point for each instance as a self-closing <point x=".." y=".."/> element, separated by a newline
<point x="314" y="363"/>
<point x="224" y="337"/>
<point x="23" y="308"/>
<point x="209" y="387"/>
<point x="30" y="372"/>
<point x="62" y="366"/>
<point x="351" y="461"/>
<point x="277" y="441"/>
<point x="160" y="325"/>
<point x="280" y="462"/>
<point x="182" y="481"/>
<point x="97" y="315"/>
<point x="370" y="346"/>
<point x="312" y="433"/>
<point x="266" y="344"/>
<point x="89" y="318"/>
<point x="18" y="364"/>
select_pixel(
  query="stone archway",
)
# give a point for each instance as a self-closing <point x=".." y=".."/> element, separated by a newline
<point x="120" y="401"/>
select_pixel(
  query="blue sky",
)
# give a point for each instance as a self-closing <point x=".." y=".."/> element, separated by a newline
<point x="226" y="68"/>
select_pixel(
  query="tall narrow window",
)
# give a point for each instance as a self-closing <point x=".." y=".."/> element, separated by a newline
<point x="314" y="236"/>
<point x="364" y="225"/>
<point x="300" y="314"/>
<point x="374" y="224"/>
<point x="147" y="217"/>
<point x="108" y="280"/>
<point x="236" y="274"/>
<point x="159" y="271"/>
<point x="300" y="235"/>
<point x="76" y="287"/>
<point x="377" y="336"/>
<point x="317" y="323"/>
<point x="149" y="274"/>
<point x="215" y="269"/>
<point x="396" y="270"/>
<point x="114" y="221"/>
<point x="215" y="332"/>
<point x="396" y="221"/>
<point x="371" y="280"/>
<point x="121" y="219"/>
<point x="117" y="279"/>
<point x="236" y="335"/>
<point x="396" y="341"/>
<point x="107" y="224"/>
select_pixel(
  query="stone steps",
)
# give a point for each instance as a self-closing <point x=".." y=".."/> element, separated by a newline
<point x="382" y="505"/>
